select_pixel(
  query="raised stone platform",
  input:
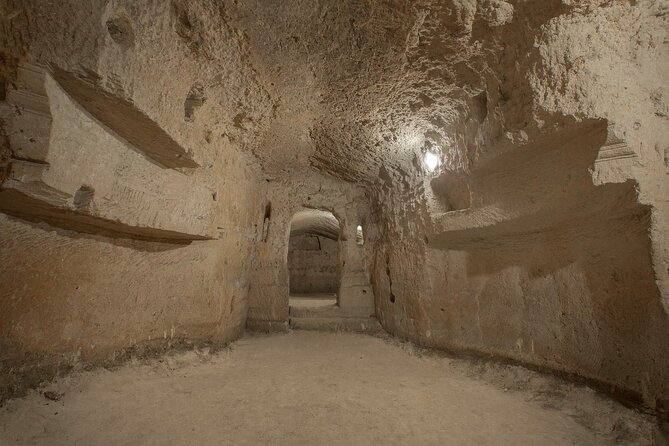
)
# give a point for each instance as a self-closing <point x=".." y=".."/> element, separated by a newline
<point x="321" y="312"/>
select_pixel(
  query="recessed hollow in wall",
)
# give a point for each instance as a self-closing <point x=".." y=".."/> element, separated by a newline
<point x="265" y="222"/>
<point x="452" y="191"/>
<point x="390" y="282"/>
<point x="120" y="31"/>
<point x="83" y="197"/>
<point x="187" y="25"/>
<point x="194" y="100"/>
<point x="480" y="106"/>
<point x="359" y="238"/>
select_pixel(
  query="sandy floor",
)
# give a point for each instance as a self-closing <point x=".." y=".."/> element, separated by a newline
<point x="320" y="389"/>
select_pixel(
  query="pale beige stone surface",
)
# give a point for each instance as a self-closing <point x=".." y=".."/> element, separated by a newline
<point x="309" y="388"/>
<point x="313" y="265"/>
<point x="150" y="174"/>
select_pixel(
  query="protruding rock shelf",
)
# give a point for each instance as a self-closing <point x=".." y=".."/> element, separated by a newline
<point x="71" y="172"/>
<point x="122" y="117"/>
<point x="43" y="205"/>
<point x="488" y="178"/>
<point x="491" y="226"/>
<point x="550" y="190"/>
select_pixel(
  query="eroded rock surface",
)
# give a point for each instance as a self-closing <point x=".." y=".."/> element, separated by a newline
<point x="149" y="179"/>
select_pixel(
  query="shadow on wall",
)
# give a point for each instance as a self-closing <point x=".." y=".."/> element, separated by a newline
<point x="137" y="244"/>
<point x="579" y="298"/>
<point x="51" y="155"/>
<point x="452" y="192"/>
<point x="545" y="267"/>
<point x="126" y="120"/>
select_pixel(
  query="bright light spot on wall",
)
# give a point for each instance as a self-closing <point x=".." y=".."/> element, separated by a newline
<point x="358" y="236"/>
<point x="431" y="161"/>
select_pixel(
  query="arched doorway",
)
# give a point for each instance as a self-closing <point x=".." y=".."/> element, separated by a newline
<point x="313" y="258"/>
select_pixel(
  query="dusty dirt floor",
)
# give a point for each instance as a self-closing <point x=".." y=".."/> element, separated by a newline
<point x="318" y="389"/>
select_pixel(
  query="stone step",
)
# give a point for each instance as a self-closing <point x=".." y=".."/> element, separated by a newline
<point x="331" y="311"/>
<point x="354" y="324"/>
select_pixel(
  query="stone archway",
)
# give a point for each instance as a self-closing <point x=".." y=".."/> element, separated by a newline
<point x="313" y="258"/>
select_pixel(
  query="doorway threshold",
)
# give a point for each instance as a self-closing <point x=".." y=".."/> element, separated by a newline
<point x="312" y="300"/>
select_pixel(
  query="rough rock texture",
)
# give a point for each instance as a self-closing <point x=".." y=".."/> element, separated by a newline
<point x="548" y="245"/>
<point x="293" y="201"/>
<point x="540" y="237"/>
<point x="307" y="388"/>
<point x="76" y="173"/>
<point x="313" y="265"/>
<point x="87" y="279"/>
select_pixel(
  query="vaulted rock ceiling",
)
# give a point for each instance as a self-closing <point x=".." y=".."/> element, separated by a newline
<point x="359" y="90"/>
